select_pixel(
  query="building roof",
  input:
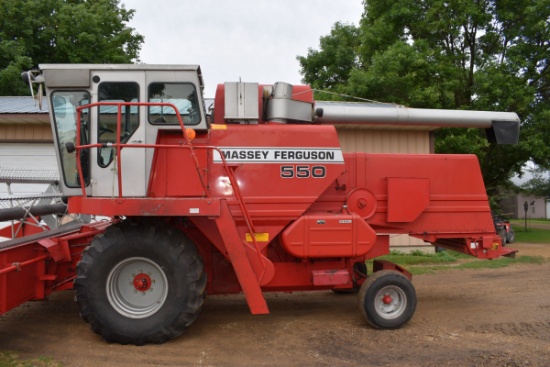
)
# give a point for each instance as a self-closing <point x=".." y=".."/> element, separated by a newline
<point x="23" y="110"/>
<point x="22" y="104"/>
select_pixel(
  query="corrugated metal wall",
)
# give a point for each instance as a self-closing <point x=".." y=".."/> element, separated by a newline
<point x="25" y="133"/>
<point x="384" y="141"/>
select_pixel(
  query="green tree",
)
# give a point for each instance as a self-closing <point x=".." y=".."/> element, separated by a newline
<point x="454" y="54"/>
<point x="539" y="184"/>
<point x="331" y="66"/>
<point x="62" y="31"/>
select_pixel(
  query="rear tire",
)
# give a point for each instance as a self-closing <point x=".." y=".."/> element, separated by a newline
<point x="511" y="236"/>
<point x="140" y="282"/>
<point x="387" y="300"/>
<point x="502" y="234"/>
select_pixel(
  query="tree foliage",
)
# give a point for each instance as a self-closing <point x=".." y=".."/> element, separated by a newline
<point x="455" y="54"/>
<point x="330" y="67"/>
<point x="62" y="31"/>
<point x="539" y="184"/>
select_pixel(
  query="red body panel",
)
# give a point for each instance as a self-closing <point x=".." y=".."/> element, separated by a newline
<point x="33" y="269"/>
<point x="175" y="174"/>
<point x="439" y="194"/>
<point x="328" y="235"/>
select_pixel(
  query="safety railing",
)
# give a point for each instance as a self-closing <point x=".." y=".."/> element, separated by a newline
<point x="118" y="145"/>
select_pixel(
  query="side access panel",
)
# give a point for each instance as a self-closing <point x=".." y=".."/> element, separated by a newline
<point x="326" y="235"/>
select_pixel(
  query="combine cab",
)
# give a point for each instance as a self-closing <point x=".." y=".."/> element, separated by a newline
<point x="257" y="197"/>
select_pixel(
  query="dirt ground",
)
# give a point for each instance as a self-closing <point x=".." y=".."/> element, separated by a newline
<point x="497" y="317"/>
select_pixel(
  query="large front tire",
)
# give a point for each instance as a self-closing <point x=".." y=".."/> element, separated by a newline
<point x="387" y="299"/>
<point x="140" y="282"/>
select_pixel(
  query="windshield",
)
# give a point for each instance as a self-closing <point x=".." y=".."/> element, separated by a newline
<point x="64" y="113"/>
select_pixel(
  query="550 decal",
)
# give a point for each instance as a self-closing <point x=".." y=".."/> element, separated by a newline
<point x="303" y="171"/>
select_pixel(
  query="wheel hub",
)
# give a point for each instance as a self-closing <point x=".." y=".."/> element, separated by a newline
<point x="390" y="302"/>
<point x="142" y="282"/>
<point x="137" y="287"/>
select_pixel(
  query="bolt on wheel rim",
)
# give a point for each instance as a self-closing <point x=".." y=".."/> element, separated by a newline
<point x="390" y="302"/>
<point x="137" y="287"/>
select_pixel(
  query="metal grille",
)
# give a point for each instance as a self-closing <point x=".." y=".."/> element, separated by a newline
<point x="28" y="201"/>
<point x="21" y="175"/>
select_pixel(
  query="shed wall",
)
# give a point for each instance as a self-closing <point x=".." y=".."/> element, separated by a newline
<point x="385" y="141"/>
<point x="25" y="133"/>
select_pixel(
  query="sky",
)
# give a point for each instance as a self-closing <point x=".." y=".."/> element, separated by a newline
<point x="232" y="40"/>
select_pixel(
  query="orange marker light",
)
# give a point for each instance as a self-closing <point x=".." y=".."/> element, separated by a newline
<point x="190" y="133"/>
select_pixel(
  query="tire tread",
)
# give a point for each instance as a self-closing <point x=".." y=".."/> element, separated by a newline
<point x="137" y="233"/>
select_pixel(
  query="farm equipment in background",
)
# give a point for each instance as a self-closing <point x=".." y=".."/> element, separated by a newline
<point x="259" y="197"/>
<point x="504" y="229"/>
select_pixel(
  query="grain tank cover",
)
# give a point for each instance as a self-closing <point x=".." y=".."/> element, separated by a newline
<point x="241" y="103"/>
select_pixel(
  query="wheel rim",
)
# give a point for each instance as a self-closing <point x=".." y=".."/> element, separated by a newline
<point x="390" y="302"/>
<point x="137" y="287"/>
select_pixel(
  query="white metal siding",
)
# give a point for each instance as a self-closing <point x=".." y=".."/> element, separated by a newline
<point x="27" y="156"/>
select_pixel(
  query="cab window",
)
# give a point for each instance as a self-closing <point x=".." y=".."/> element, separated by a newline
<point x="107" y="118"/>
<point x="182" y="95"/>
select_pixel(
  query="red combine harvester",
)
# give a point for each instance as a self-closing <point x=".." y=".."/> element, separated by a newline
<point x="257" y="198"/>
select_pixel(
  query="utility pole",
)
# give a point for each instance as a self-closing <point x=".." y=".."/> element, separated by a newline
<point x="525" y="208"/>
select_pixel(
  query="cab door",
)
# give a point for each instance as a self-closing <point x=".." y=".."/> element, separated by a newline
<point x="112" y="86"/>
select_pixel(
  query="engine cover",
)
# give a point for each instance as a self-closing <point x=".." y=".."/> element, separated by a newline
<point x="328" y="235"/>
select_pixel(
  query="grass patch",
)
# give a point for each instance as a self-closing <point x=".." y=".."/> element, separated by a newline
<point x="424" y="263"/>
<point x="420" y="257"/>
<point x="533" y="234"/>
<point x="480" y="264"/>
<point x="11" y="359"/>
<point x="529" y="220"/>
<point x="502" y="262"/>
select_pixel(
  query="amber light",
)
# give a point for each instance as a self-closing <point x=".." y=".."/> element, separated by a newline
<point x="190" y="133"/>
